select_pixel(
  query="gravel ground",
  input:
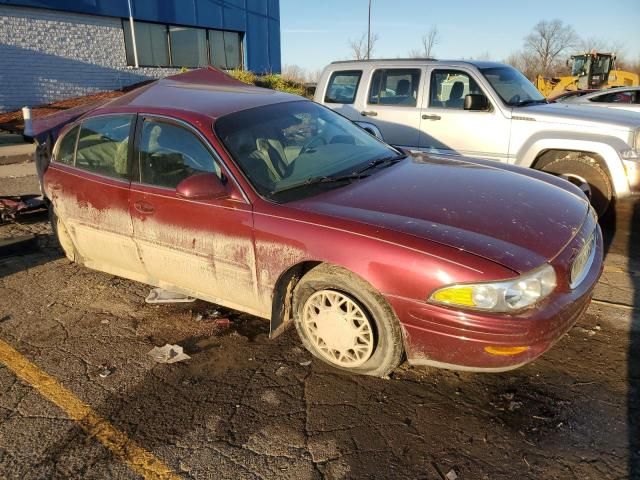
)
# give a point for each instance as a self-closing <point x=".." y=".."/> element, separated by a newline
<point x="244" y="406"/>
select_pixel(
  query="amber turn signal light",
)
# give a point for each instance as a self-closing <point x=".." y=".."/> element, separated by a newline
<point x="505" y="350"/>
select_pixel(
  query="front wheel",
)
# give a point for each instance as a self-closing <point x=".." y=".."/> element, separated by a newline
<point x="587" y="174"/>
<point x="344" y="322"/>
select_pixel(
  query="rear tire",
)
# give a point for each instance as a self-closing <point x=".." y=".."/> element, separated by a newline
<point x="345" y="323"/>
<point x="588" y="175"/>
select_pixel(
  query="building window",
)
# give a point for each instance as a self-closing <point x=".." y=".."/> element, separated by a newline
<point x="176" y="46"/>
<point x="151" y="40"/>
<point x="188" y="46"/>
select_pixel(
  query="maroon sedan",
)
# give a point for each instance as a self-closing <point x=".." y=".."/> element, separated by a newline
<point x="271" y="204"/>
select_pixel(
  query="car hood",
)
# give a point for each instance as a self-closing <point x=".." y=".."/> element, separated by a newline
<point x="576" y="113"/>
<point x="507" y="217"/>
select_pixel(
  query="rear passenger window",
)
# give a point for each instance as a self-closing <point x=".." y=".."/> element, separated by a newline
<point x="67" y="147"/>
<point x="343" y="86"/>
<point x="169" y="154"/>
<point x="395" y="87"/>
<point x="103" y="145"/>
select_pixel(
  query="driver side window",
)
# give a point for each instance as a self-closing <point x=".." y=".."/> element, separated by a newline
<point x="168" y="153"/>
<point x="449" y="87"/>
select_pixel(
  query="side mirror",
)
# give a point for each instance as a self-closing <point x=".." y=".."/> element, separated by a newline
<point x="476" y="101"/>
<point x="371" y="129"/>
<point x="202" y="186"/>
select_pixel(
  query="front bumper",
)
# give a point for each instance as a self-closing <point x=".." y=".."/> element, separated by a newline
<point x="456" y="339"/>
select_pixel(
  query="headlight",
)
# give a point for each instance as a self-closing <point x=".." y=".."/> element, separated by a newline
<point x="504" y="296"/>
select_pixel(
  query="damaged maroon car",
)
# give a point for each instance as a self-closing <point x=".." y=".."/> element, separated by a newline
<point x="268" y="203"/>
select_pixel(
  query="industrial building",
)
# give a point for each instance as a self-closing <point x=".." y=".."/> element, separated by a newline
<point x="56" y="49"/>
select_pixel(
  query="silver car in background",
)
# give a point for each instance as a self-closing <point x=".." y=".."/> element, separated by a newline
<point x="622" y="98"/>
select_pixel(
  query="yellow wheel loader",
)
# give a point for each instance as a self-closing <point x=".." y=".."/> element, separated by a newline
<point x="588" y="71"/>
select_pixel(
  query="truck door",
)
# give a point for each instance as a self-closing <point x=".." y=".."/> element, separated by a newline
<point x="447" y="127"/>
<point x="391" y="103"/>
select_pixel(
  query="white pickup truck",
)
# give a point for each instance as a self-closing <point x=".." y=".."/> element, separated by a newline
<point x="488" y="110"/>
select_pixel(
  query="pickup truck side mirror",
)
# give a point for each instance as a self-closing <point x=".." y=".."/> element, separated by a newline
<point x="202" y="186"/>
<point x="476" y="101"/>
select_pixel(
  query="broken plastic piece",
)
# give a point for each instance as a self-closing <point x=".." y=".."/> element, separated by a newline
<point x="168" y="354"/>
<point x="160" y="295"/>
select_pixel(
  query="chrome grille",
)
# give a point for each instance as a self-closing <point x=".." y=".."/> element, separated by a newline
<point x="583" y="261"/>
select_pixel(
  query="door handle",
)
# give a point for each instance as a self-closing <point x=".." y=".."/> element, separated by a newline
<point x="370" y="113"/>
<point x="431" y="117"/>
<point x="143" y="207"/>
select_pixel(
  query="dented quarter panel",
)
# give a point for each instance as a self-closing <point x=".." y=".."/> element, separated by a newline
<point x="95" y="211"/>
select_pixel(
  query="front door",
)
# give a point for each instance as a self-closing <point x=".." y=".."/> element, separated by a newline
<point x="203" y="248"/>
<point x="392" y="104"/>
<point x="448" y="128"/>
<point x="88" y="184"/>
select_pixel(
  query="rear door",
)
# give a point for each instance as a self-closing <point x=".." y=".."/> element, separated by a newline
<point x="204" y="248"/>
<point x="448" y="128"/>
<point x="392" y="104"/>
<point x="88" y="184"/>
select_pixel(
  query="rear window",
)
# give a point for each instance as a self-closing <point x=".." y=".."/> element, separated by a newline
<point x="343" y="86"/>
<point x="103" y="145"/>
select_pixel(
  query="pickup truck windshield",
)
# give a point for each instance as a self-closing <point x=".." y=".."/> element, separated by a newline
<point x="512" y="86"/>
<point x="293" y="149"/>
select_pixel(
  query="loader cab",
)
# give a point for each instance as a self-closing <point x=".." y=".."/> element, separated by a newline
<point x="592" y="69"/>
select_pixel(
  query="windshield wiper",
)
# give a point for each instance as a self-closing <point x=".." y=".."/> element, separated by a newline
<point x="530" y="101"/>
<point x="380" y="161"/>
<point x="320" y="180"/>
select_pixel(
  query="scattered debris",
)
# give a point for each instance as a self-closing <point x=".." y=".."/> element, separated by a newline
<point x="451" y="475"/>
<point x="222" y="322"/>
<point x="168" y="354"/>
<point x="12" y="206"/>
<point x="104" y="321"/>
<point x="49" y="305"/>
<point x="514" y="406"/>
<point x="306" y="364"/>
<point x="106" y="371"/>
<point x="160" y="295"/>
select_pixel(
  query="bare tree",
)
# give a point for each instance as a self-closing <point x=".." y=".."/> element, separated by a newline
<point x="547" y="42"/>
<point x="294" y="72"/>
<point x="428" y="41"/>
<point x="525" y="62"/>
<point x="358" y="47"/>
<point x="600" y="45"/>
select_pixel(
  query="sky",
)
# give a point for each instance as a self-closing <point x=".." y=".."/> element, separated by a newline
<point x="317" y="32"/>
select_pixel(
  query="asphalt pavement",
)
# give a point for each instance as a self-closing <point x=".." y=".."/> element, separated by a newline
<point x="80" y="397"/>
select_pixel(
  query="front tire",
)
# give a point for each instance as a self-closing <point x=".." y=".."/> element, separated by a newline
<point x="344" y="322"/>
<point x="587" y="174"/>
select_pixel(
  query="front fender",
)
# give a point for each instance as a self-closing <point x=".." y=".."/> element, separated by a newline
<point x="607" y="147"/>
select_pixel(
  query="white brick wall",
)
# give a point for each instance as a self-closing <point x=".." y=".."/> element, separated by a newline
<point x="47" y="56"/>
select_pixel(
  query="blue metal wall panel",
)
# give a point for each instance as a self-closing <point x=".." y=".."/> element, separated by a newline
<point x="258" y="19"/>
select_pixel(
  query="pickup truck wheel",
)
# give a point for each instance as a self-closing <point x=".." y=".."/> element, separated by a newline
<point x="344" y="322"/>
<point x="587" y="174"/>
<point x="61" y="234"/>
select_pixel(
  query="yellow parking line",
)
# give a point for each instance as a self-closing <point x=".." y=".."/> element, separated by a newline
<point x="139" y="460"/>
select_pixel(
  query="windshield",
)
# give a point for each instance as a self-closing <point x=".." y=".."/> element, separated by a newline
<point x="512" y="86"/>
<point x="580" y="65"/>
<point x="601" y="65"/>
<point x="280" y="146"/>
